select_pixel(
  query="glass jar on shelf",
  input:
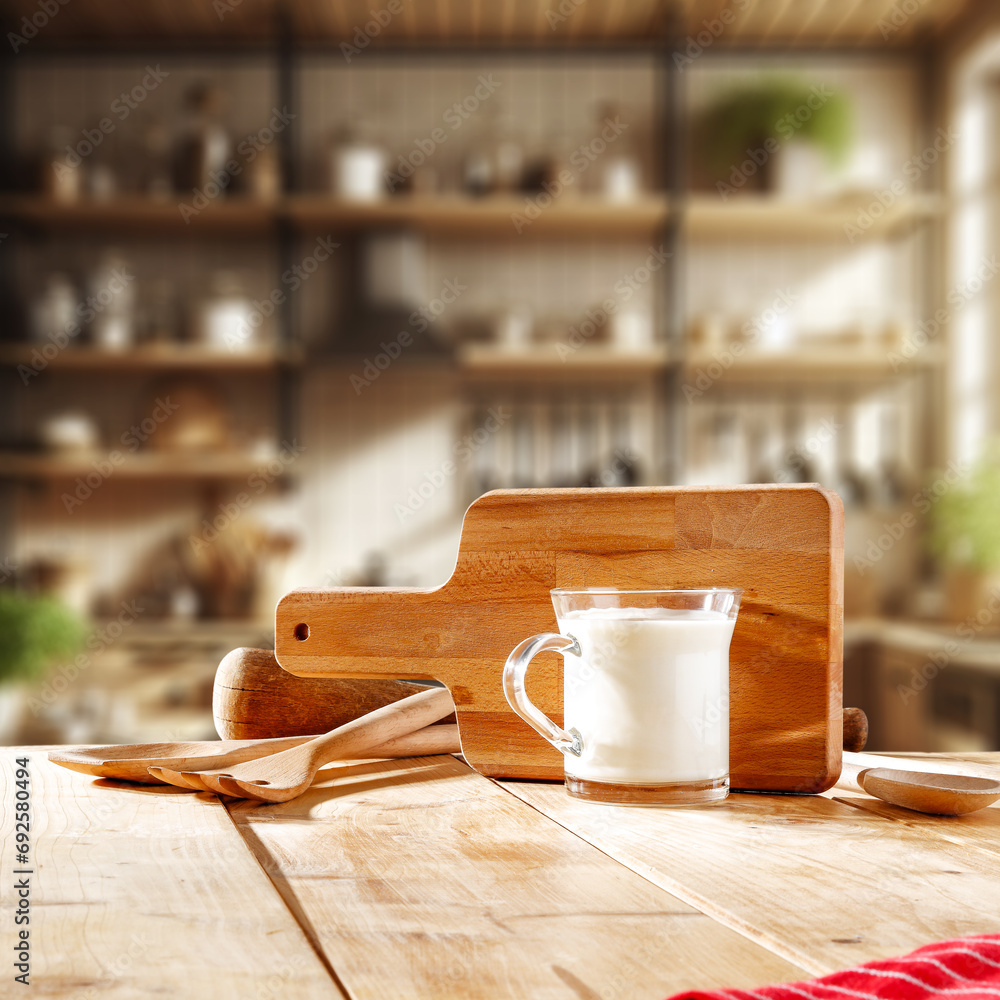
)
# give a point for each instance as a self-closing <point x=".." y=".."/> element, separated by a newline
<point x="227" y="319"/>
<point x="62" y="174"/>
<point x="205" y="147"/>
<point x="619" y="170"/>
<point x="357" y="165"/>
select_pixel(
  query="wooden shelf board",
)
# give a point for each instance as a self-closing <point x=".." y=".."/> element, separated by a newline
<point x="705" y="217"/>
<point x="485" y="218"/>
<point x="767" y="219"/>
<point x="203" y="631"/>
<point x="150" y="359"/>
<point x="503" y="22"/>
<point x="17" y="465"/>
<point x="818" y="364"/>
<point x="480" y="218"/>
<point x="550" y="360"/>
<point x="143" y="215"/>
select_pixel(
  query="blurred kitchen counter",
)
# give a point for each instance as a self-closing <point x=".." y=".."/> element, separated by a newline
<point x="137" y="682"/>
<point x="924" y="684"/>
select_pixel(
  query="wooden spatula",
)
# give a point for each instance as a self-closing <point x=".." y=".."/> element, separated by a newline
<point x="134" y="762"/>
<point x="285" y="775"/>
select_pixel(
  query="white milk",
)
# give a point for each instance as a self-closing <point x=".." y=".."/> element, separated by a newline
<point x="650" y="695"/>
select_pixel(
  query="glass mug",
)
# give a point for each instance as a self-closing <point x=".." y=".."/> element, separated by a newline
<point x="645" y="693"/>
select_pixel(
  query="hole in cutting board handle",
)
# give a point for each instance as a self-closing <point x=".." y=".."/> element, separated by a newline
<point x="301" y="631"/>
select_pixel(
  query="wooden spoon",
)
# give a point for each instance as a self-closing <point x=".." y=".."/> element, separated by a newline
<point x="944" y="793"/>
<point x="283" y="776"/>
<point x="131" y="761"/>
<point x="423" y="743"/>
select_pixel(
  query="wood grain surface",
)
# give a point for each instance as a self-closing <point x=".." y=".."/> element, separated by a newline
<point x="782" y="544"/>
<point x="813" y="879"/>
<point x="421" y="878"/>
<point x="141" y="892"/>
<point x="978" y="831"/>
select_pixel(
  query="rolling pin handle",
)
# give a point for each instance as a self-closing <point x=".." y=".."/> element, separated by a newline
<point x="855" y="729"/>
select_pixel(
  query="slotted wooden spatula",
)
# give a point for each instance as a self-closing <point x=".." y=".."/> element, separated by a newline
<point x="135" y="762"/>
<point x="285" y="775"/>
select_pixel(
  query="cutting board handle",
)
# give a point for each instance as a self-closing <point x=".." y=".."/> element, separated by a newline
<point x="387" y="632"/>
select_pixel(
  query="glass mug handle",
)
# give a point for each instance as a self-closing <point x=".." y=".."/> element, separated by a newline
<point x="513" y="687"/>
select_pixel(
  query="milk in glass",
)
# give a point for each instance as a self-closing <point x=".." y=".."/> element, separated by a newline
<point x="650" y="694"/>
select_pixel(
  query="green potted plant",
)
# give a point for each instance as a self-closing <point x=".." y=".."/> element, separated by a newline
<point x="965" y="535"/>
<point x="35" y="633"/>
<point x="747" y="129"/>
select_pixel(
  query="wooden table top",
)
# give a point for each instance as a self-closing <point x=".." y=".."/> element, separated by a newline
<point x="421" y="878"/>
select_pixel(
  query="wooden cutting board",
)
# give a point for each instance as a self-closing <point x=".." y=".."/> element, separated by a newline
<point x="782" y="544"/>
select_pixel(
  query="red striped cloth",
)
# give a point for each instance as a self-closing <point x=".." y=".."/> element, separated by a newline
<point x="964" y="969"/>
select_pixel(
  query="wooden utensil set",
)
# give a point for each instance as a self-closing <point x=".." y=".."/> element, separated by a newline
<point x="338" y="651"/>
<point x="278" y="769"/>
<point x="408" y="725"/>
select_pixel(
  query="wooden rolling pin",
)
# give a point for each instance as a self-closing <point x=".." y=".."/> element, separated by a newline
<point x="255" y="699"/>
<point x="855" y="729"/>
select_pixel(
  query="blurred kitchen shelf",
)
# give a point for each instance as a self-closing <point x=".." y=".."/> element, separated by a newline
<point x="439" y="215"/>
<point x="177" y="356"/>
<point x="486" y="218"/>
<point x="812" y="365"/>
<point x="202" y="631"/>
<point x="548" y="360"/>
<point x="143" y="216"/>
<point x="190" y="24"/>
<point x="211" y="465"/>
<point x="751" y="217"/>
